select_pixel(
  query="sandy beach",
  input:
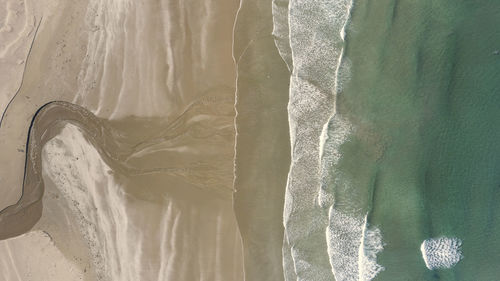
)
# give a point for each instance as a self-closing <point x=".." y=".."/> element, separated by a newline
<point x="129" y="175"/>
<point x="249" y="140"/>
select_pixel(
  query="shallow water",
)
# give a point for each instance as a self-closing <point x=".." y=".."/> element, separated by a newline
<point x="421" y="157"/>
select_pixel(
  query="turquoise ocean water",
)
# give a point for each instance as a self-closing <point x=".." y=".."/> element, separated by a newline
<point x="423" y="159"/>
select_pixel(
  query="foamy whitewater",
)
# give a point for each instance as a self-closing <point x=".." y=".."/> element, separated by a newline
<point x="315" y="32"/>
<point x="353" y="247"/>
<point x="442" y="252"/>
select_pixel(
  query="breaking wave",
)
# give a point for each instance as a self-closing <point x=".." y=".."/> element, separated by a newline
<point x="442" y="252"/>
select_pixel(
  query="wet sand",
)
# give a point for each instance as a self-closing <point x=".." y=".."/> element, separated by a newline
<point x="262" y="141"/>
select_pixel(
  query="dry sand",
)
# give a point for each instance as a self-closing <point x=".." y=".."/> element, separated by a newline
<point x="139" y="180"/>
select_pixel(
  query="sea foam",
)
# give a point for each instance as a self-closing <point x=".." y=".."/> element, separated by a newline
<point x="353" y="246"/>
<point x="442" y="252"/>
<point x="315" y="32"/>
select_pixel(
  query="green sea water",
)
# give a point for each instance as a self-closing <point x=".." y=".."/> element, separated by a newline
<point x="424" y="157"/>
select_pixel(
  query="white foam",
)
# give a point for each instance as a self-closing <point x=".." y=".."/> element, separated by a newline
<point x="371" y="245"/>
<point x="442" y="252"/>
<point x="315" y="33"/>
<point x="353" y="247"/>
